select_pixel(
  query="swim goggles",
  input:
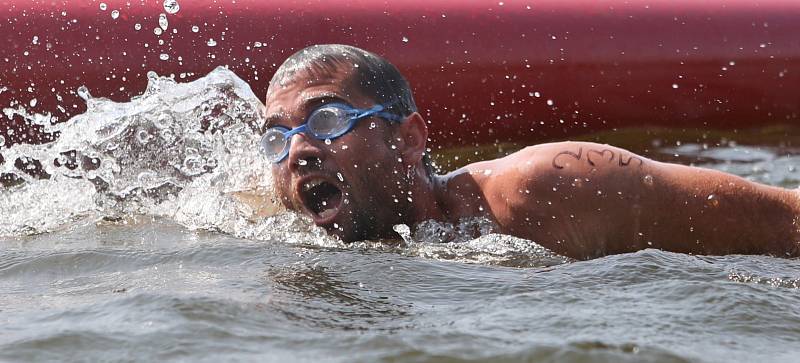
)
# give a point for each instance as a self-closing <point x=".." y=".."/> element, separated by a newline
<point x="325" y="123"/>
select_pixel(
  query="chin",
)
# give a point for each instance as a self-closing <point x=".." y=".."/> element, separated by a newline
<point x="352" y="230"/>
<point x="345" y="233"/>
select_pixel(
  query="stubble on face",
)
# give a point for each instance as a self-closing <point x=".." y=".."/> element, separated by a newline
<point x="378" y="202"/>
<point x="369" y="174"/>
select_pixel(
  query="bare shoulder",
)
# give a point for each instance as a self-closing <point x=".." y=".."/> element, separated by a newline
<point x="545" y="166"/>
<point x="580" y="155"/>
<point x="563" y="159"/>
<point x="538" y="170"/>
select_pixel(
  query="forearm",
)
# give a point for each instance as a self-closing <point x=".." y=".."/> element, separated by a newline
<point x="706" y="211"/>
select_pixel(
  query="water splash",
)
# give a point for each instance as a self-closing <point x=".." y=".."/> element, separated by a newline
<point x="188" y="152"/>
<point x="178" y="150"/>
<point x="471" y="240"/>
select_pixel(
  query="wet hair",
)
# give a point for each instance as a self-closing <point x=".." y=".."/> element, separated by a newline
<point x="373" y="75"/>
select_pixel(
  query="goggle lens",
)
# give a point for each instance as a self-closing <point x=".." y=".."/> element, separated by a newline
<point x="274" y="144"/>
<point x="328" y="122"/>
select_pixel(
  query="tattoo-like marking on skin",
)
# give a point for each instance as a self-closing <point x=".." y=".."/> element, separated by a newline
<point x="570" y="153"/>
<point x="601" y="153"/>
<point x="631" y="158"/>
<point x="593" y="162"/>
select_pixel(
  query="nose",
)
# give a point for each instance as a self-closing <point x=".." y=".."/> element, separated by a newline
<point x="304" y="153"/>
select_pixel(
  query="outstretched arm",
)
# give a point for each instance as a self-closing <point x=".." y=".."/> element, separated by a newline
<point x="586" y="200"/>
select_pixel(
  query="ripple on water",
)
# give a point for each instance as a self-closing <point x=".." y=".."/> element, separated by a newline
<point x="136" y="267"/>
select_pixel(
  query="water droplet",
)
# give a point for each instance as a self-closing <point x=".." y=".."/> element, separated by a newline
<point x="164" y="56"/>
<point x="157" y="31"/>
<point x="103" y="6"/>
<point x="302" y="162"/>
<point x="344" y="147"/>
<point x="327" y="141"/>
<point x="195" y="28"/>
<point x="152" y="76"/>
<point x="114" y="14"/>
<point x="211" y="43"/>
<point x="372" y="125"/>
<point x="405" y="40"/>
<point x="83" y="92"/>
<point x="35" y="40"/>
<point x="162" y="21"/>
<point x="339" y="175"/>
<point x="550" y="102"/>
<point x="137" y="26"/>
<point x="648" y="179"/>
<point x="143" y="137"/>
<point x="163" y="121"/>
<point x="258" y="45"/>
<point x="674" y="85"/>
<point x="33" y="102"/>
<point x="2" y="141"/>
<point x="712" y="201"/>
<point x="171" y="6"/>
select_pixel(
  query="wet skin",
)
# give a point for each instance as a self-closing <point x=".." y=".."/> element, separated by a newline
<point x="582" y="200"/>
<point x="586" y="200"/>
<point x="369" y="165"/>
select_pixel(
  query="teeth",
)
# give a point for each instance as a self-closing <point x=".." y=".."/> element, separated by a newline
<point x="312" y="183"/>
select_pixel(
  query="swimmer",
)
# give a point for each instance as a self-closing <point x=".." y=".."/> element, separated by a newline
<point x="348" y="149"/>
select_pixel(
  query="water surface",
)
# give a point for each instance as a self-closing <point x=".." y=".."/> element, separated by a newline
<point x="152" y="237"/>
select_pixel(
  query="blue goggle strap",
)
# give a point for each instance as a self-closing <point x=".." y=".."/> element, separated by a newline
<point x="288" y="134"/>
<point x="377" y="110"/>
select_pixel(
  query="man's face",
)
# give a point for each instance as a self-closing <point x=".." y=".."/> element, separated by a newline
<point x="353" y="186"/>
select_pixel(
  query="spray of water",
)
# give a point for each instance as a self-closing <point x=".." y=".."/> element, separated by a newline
<point x="188" y="153"/>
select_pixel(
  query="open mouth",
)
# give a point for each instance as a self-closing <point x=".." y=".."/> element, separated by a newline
<point x="321" y="198"/>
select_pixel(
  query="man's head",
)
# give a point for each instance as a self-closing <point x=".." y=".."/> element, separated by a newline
<point x="359" y="184"/>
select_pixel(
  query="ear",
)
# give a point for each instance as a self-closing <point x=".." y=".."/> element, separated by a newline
<point x="413" y="134"/>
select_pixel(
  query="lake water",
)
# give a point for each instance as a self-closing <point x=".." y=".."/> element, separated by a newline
<point x="153" y="237"/>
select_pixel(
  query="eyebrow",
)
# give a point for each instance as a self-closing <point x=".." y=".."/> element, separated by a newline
<point x="315" y="100"/>
<point x="274" y="119"/>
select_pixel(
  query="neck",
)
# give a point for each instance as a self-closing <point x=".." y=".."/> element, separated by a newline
<point x="427" y="202"/>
